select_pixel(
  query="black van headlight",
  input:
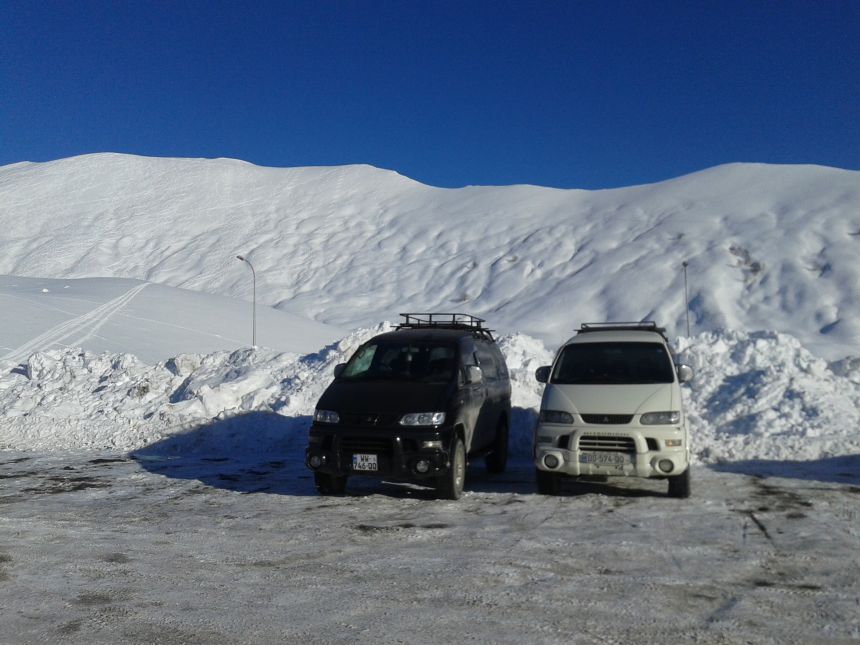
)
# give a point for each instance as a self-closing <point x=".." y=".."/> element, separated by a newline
<point x="326" y="416"/>
<point x="422" y="419"/>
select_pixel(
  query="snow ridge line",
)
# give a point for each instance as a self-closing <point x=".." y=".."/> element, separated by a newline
<point x="95" y="318"/>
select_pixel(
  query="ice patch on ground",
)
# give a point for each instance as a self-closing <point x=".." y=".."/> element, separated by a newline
<point x="757" y="395"/>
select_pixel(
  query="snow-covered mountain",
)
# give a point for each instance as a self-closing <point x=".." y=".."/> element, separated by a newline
<point x="769" y="247"/>
<point x="771" y="251"/>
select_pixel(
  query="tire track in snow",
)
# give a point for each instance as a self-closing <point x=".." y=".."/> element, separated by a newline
<point x="86" y="324"/>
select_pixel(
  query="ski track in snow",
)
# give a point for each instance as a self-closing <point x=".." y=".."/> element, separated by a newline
<point x="85" y="325"/>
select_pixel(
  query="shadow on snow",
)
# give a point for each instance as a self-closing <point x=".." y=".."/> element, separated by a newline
<point x="249" y="453"/>
<point x="262" y="452"/>
<point x="844" y="469"/>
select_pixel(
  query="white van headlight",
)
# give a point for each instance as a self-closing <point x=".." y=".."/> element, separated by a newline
<point x="555" y="417"/>
<point x="662" y="417"/>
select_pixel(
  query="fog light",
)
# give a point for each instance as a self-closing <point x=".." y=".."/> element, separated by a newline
<point x="551" y="461"/>
<point x="422" y="466"/>
<point x="431" y="444"/>
<point x="315" y="461"/>
<point x="666" y="465"/>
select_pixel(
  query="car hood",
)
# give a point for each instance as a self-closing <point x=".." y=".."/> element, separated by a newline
<point x="378" y="396"/>
<point x="609" y="399"/>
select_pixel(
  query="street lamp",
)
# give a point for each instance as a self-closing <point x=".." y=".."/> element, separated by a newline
<point x="686" y="297"/>
<point x="254" y="319"/>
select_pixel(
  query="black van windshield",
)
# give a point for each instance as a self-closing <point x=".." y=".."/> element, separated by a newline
<point x="399" y="361"/>
<point x="614" y="363"/>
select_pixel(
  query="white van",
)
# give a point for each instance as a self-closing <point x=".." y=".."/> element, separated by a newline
<point x="612" y="407"/>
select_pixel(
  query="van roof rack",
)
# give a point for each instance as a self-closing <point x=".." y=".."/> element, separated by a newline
<point x="445" y="321"/>
<point x="645" y="326"/>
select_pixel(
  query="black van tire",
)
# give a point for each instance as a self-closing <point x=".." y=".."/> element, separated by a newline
<point x="450" y="484"/>
<point x="548" y="483"/>
<point x="679" y="486"/>
<point x="330" y="485"/>
<point x="497" y="459"/>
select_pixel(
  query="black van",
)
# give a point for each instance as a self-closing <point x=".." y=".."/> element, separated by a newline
<point x="414" y="404"/>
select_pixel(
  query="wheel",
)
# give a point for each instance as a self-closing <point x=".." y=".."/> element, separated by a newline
<point x="497" y="460"/>
<point x="450" y="484"/>
<point x="679" y="486"/>
<point x="330" y="485"/>
<point x="548" y="483"/>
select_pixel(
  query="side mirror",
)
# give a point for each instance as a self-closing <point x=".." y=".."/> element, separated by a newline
<point x="542" y="374"/>
<point x="338" y="369"/>
<point x="474" y="375"/>
<point x="685" y="373"/>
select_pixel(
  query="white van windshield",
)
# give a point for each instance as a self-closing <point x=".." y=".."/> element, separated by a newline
<point x="614" y="363"/>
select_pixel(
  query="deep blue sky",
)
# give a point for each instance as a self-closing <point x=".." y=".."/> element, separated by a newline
<point x="570" y="94"/>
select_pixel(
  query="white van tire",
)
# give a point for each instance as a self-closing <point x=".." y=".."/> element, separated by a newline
<point x="548" y="483"/>
<point x="679" y="486"/>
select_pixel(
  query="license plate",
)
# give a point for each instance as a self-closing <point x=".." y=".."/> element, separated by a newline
<point x="601" y="458"/>
<point x="364" y="462"/>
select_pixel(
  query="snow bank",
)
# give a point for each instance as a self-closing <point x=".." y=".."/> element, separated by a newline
<point x="71" y="399"/>
<point x="755" y="396"/>
<point x="762" y="395"/>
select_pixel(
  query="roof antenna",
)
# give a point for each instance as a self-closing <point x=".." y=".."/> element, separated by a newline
<point x="686" y="298"/>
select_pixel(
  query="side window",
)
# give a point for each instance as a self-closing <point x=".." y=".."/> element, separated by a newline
<point x="467" y="353"/>
<point x="487" y="362"/>
<point x="467" y="358"/>
<point x="500" y="360"/>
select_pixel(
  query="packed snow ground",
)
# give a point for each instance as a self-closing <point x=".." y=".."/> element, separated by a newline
<point x="205" y="547"/>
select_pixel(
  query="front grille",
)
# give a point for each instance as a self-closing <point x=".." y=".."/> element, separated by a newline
<point x="607" y="419"/>
<point x="619" y="444"/>
<point x="367" y="419"/>
<point x="377" y="445"/>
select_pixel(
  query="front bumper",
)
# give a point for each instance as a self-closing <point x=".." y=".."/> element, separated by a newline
<point x="631" y="451"/>
<point x="398" y="451"/>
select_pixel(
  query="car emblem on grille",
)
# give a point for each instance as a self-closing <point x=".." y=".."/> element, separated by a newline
<point x="371" y="420"/>
<point x="605" y="419"/>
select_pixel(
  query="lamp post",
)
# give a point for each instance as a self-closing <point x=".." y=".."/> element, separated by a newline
<point x="254" y="316"/>
<point x="686" y="297"/>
